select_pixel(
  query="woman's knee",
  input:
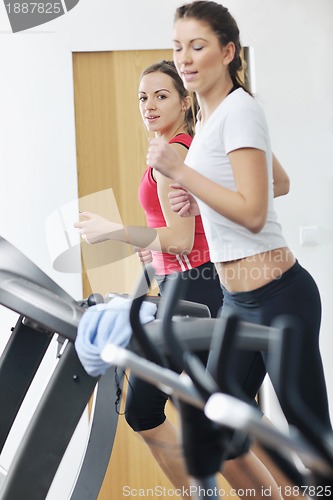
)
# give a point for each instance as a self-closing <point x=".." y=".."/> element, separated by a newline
<point x="141" y="423"/>
<point x="145" y="406"/>
<point x="142" y="418"/>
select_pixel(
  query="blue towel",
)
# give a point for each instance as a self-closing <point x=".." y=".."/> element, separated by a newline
<point x="103" y="324"/>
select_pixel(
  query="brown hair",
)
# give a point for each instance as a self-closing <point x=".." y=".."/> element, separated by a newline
<point x="223" y="25"/>
<point x="169" y="68"/>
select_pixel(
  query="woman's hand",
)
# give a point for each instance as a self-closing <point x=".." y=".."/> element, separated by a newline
<point x="144" y="255"/>
<point x="163" y="157"/>
<point x="183" y="202"/>
<point x="95" y="228"/>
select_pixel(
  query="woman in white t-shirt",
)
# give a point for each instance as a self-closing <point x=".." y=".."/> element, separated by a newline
<point x="228" y="170"/>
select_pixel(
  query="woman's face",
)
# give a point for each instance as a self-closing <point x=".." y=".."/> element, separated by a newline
<point x="199" y="58"/>
<point x="161" y="107"/>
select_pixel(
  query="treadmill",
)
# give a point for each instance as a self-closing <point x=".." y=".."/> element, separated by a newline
<point x="45" y="310"/>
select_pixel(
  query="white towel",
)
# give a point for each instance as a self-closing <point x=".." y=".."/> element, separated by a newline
<point x="104" y="324"/>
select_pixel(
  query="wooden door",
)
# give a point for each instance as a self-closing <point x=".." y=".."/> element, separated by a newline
<point x="111" y="148"/>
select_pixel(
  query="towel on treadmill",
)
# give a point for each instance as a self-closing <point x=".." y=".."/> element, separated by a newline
<point x="104" y="324"/>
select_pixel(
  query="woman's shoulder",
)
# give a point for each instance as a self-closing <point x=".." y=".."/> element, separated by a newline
<point x="241" y="105"/>
<point x="240" y="98"/>
<point x="183" y="139"/>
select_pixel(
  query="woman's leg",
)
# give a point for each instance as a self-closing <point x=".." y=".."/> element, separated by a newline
<point x="145" y="413"/>
<point x="246" y="471"/>
<point x="299" y="297"/>
<point x="164" y="444"/>
<point x="249" y="475"/>
<point x="285" y="485"/>
<point x="296" y="294"/>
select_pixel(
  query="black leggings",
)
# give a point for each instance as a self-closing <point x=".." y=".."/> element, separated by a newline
<point x="296" y="294"/>
<point x="145" y="403"/>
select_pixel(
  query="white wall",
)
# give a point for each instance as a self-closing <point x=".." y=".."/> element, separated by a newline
<point x="38" y="175"/>
<point x="292" y="45"/>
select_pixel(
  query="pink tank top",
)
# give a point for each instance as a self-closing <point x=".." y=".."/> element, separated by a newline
<point x="168" y="263"/>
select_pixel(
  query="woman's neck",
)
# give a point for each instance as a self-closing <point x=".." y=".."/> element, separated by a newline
<point x="167" y="135"/>
<point x="210" y="101"/>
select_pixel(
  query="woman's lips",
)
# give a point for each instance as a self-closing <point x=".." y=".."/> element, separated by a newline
<point x="189" y="76"/>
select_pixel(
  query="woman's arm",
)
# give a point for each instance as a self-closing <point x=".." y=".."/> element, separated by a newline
<point x="281" y="179"/>
<point x="184" y="205"/>
<point x="182" y="201"/>
<point x="95" y="228"/>
<point x="246" y="206"/>
<point x="177" y="237"/>
<point x="144" y="255"/>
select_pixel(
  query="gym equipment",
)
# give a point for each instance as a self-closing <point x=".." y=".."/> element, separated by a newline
<point x="46" y="310"/>
<point x="314" y="447"/>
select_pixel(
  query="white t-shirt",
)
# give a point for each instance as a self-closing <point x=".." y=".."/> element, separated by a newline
<point x="238" y="122"/>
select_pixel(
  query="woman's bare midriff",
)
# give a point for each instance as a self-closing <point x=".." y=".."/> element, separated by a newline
<point x="244" y="275"/>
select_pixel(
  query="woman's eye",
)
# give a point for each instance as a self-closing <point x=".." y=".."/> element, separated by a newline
<point x="142" y="98"/>
<point x="161" y="97"/>
<point x="197" y="48"/>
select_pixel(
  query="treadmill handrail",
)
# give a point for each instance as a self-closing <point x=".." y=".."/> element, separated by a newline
<point x="12" y="260"/>
<point x="39" y="304"/>
<point x="220" y="408"/>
